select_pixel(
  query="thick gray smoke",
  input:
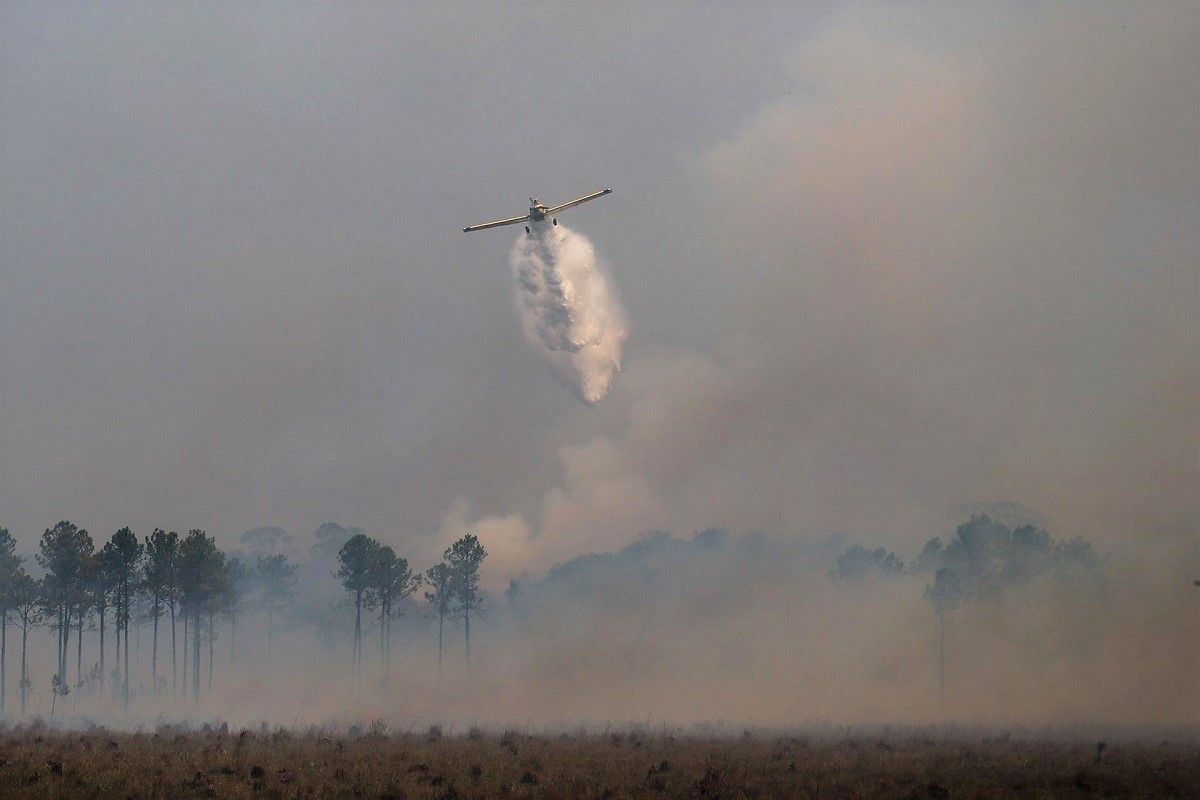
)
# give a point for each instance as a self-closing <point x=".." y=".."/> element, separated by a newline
<point x="568" y="308"/>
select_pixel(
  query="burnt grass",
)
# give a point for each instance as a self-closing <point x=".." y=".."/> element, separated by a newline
<point x="38" y="762"/>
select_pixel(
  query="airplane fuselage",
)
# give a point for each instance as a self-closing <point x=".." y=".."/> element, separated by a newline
<point x="538" y="212"/>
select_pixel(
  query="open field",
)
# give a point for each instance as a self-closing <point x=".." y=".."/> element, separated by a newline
<point x="40" y="763"/>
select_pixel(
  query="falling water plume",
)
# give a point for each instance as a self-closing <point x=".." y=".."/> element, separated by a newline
<point x="568" y="308"/>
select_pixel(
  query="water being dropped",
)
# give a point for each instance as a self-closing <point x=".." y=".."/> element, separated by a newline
<point x="568" y="308"/>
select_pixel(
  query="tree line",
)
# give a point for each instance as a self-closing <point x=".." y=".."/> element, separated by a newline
<point x="982" y="560"/>
<point x="185" y="587"/>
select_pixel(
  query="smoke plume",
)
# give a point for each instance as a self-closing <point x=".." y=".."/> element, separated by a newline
<point x="568" y="308"/>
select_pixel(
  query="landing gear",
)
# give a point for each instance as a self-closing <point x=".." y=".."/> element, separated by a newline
<point x="527" y="229"/>
<point x="555" y="220"/>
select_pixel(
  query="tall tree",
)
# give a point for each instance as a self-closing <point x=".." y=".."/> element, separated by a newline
<point x="440" y="595"/>
<point x="63" y="552"/>
<point x="985" y="558"/>
<point x="464" y="558"/>
<point x="183" y="615"/>
<point x="158" y="584"/>
<point x="82" y="599"/>
<point x="237" y="586"/>
<point x="276" y="579"/>
<point x="356" y="564"/>
<point x="202" y="579"/>
<point x="121" y="556"/>
<point x="10" y="578"/>
<point x="392" y="580"/>
<point x="28" y="604"/>
<point x="102" y="589"/>
<point x="944" y="593"/>
<point x="173" y="606"/>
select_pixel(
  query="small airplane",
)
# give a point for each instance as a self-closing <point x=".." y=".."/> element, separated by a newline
<point x="538" y="212"/>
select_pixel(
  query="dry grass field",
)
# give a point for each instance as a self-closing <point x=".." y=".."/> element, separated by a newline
<point x="169" y="763"/>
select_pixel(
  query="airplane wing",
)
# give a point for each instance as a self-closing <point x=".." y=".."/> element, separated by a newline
<point x="496" y="224"/>
<point x="574" y="203"/>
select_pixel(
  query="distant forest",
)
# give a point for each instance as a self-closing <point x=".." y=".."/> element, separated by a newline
<point x="983" y="559"/>
<point x="187" y="590"/>
<point x="183" y="585"/>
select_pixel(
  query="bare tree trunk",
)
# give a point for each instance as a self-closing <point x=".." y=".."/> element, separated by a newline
<point x="79" y="651"/>
<point x="157" y="611"/>
<point x="100" y="609"/>
<point x="467" y="636"/>
<point x="232" y="639"/>
<point x="3" y="654"/>
<point x="66" y="647"/>
<point x="196" y="658"/>
<point x="174" y="661"/>
<point x="125" y="672"/>
<point x="211" y="637"/>
<point x="387" y="650"/>
<point x="942" y="656"/>
<point x="441" y="639"/>
<point x="117" y="647"/>
<point x="63" y="632"/>
<point x="183" y="685"/>
<point x="270" y="625"/>
<point x="24" y="670"/>
<point x="357" y="660"/>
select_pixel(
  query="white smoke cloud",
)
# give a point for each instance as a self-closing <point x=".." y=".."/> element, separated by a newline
<point x="568" y="308"/>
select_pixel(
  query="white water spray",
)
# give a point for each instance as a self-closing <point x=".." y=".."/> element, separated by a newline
<point x="568" y="308"/>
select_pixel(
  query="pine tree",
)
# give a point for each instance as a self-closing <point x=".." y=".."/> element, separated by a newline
<point x="236" y="588"/>
<point x="158" y="584"/>
<point x="276" y="579"/>
<point x="202" y="578"/>
<point x="464" y="558"/>
<point x="63" y="552"/>
<point x="102" y="589"/>
<point x="440" y="595"/>
<point x="121" y="556"/>
<point x="392" y="580"/>
<point x="356" y="563"/>
<point x="28" y="604"/>
<point x="944" y="593"/>
<point x="10" y="578"/>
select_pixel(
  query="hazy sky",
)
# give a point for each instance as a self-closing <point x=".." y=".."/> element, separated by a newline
<point x="879" y="265"/>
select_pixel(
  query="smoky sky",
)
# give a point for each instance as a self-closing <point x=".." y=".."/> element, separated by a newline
<point x="879" y="265"/>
